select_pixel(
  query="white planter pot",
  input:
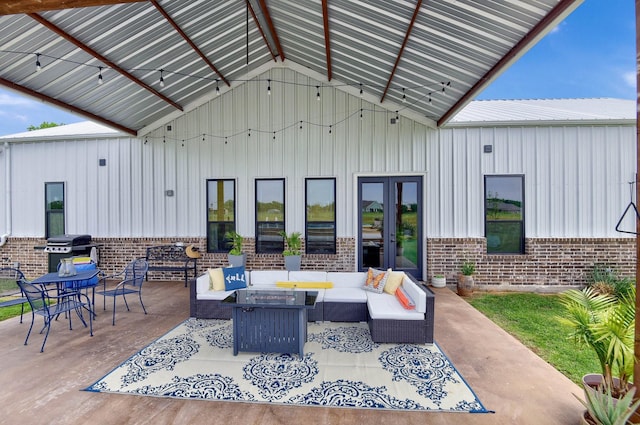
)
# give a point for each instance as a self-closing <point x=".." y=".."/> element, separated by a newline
<point x="439" y="282"/>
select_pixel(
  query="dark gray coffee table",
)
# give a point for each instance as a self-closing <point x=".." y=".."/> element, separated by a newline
<point x="270" y="321"/>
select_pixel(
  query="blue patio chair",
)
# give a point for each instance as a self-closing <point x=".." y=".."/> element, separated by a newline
<point x="49" y="306"/>
<point x="10" y="292"/>
<point x="131" y="279"/>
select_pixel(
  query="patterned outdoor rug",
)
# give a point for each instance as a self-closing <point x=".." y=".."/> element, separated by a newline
<point x="341" y="367"/>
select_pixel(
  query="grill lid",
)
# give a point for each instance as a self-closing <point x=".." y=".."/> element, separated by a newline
<point x="69" y="240"/>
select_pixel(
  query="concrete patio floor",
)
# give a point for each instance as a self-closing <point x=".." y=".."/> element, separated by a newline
<point x="46" y="388"/>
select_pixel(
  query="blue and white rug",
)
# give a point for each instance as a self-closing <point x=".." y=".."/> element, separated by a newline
<point x="341" y="367"/>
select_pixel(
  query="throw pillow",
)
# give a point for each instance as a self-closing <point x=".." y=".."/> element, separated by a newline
<point x="376" y="279"/>
<point x="216" y="279"/>
<point x="405" y="299"/>
<point x="393" y="282"/>
<point x="234" y="278"/>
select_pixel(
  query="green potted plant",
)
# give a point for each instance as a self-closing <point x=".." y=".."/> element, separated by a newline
<point x="607" y="325"/>
<point x="439" y="281"/>
<point x="236" y="256"/>
<point x="292" y="253"/>
<point x="465" y="280"/>
<point x="603" y="409"/>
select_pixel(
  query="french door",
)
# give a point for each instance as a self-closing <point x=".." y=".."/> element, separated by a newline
<point x="390" y="223"/>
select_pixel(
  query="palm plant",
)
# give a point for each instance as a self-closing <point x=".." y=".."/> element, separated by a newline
<point x="236" y="242"/>
<point x="293" y="242"/>
<point x="606" y="324"/>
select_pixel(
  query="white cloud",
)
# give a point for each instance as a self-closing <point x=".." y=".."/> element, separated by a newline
<point x="7" y="99"/>
<point x="629" y="78"/>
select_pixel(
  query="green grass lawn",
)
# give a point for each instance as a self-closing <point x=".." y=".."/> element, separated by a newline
<point x="533" y="319"/>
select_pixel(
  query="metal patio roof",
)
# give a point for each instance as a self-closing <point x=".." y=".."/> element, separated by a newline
<point x="389" y="49"/>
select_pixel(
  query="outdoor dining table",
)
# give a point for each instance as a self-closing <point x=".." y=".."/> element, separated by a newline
<point x="53" y="281"/>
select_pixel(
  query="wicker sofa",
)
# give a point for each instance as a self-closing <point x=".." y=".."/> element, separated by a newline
<point x="345" y="301"/>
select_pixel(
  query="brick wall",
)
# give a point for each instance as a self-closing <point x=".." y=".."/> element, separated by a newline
<point x="547" y="262"/>
<point x="115" y="253"/>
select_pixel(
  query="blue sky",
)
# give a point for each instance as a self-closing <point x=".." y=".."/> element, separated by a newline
<point x="590" y="54"/>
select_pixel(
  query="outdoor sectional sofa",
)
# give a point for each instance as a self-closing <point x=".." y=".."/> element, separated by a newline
<point x="345" y="301"/>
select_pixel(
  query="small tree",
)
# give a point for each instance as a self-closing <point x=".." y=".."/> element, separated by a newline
<point x="44" y="124"/>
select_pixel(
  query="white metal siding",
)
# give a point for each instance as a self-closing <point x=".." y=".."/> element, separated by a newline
<point x="576" y="176"/>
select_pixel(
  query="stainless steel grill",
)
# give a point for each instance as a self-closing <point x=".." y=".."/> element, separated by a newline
<point x="65" y="244"/>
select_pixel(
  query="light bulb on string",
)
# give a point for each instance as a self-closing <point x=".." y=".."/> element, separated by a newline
<point x="318" y="93"/>
<point x="360" y="113"/>
<point x="161" y="78"/>
<point x="203" y="137"/>
<point x="300" y="125"/>
<point x="249" y="133"/>
<point x="38" y="65"/>
<point x="217" y="88"/>
<point x="269" y="87"/>
<point x="274" y="135"/>
<point x="360" y="89"/>
<point x="99" y="75"/>
<point x="329" y="129"/>
<point x="404" y="96"/>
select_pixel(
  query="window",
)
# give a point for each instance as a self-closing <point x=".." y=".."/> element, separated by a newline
<point x="320" y="230"/>
<point x="54" y="209"/>
<point x="221" y="214"/>
<point x="269" y="215"/>
<point x="504" y="214"/>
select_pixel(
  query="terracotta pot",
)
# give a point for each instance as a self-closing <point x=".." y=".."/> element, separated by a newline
<point x="465" y="285"/>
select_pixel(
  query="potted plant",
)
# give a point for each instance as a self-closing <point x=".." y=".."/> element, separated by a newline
<point x="439" y="281"/>
<point x="603" y="409"/>
<point x="236" y="256"/>
<point x="465" y="280"/>
<point x="292" y="254"/>
<point x="606" y="324"/>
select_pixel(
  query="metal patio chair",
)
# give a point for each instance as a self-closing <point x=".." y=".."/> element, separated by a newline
<point x="10" y="292"/>
<point x="131" y="279"/>
<point x="44" y="303"/>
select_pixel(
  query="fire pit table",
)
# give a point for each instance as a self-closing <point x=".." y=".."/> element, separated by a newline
<point x="270" y="321"/>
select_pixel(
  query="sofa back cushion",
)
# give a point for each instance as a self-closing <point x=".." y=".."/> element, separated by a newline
<point x="307" y="276"/>
<point x="418" y="296"/>
<point x="268" y="277"/>
<point x="347" y="279"/>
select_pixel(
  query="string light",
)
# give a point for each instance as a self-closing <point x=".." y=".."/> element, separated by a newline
<point x="269" y="87"/>
<point x="201" y="77"/>
<point x="274" y="135"/>
<point x="404" y="96"/>
<point x="217" y="88"/>
<point x="99" y="75"/>
<point x="397" y="116"/>
<point x="360" y="113"/>
<point x="330" y="129"/>
<point x="203" y="137"/>
<point x="300" y="125"/>
<point x="249" y="134"/>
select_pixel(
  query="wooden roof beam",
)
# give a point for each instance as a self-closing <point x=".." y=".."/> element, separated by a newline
<point x="327" y="43"/>
<point x="264" y="37"/>
<point x="188" y="40"/>
<point x="63" y="105"/>
<point x="34" y="6"/>
<point x="404" y="44"/>
<point x="557" y="11"/>
<point x="103" y="59"/>
<point x="272" y="28"/>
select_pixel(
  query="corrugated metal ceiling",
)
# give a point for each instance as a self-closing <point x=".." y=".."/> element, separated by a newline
<point x="461" y="42"/>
